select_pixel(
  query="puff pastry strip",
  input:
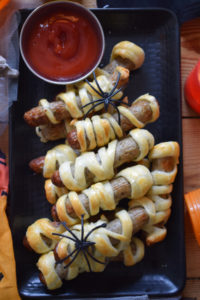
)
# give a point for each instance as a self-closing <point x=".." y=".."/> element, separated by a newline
<point x="164" y="153"/>
<point x="99" y="130"/>
<point x="134" y="253"/>
<point x="102" y="196"/>
<point x="39" y="235"/>
<point x="53" y="192"/>
<point x="49" y="163"/>
<point x="101" y="165"/>
<point x="55" y="157"/>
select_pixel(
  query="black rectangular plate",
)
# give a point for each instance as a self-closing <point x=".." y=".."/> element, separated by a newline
<point x="162" y="271"/>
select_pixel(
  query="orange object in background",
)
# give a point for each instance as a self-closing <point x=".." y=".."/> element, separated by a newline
<point x="192" y="89"/>
<point x="3" y="3"/>
<point x="8" y="282"/>
<point x="192" y="200"/>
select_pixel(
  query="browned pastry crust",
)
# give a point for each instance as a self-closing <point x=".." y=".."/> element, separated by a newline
<point x="119" y="234"/>
<point x="132" y="183"/>
<point x="62" y="109"/>
<point x="126" y="150"/>
<point x="143" y="110"/>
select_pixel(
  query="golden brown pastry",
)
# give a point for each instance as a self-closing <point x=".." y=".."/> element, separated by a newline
<point x="131" y="55"/>
<point x="102" y="195"/>
<point x="55" y="157"/>
<point x="164" y="158"/>
<point x="106" y="243"/>
<point x="53" y="192"/>
<point x="100" y="166"/>
<point x="39" y="235"/>
<point x="97" y="131"/>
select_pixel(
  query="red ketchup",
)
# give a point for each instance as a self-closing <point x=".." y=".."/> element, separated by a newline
<point x="62" y="44"/>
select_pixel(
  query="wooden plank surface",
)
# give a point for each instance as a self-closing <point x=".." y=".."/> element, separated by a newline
<point x="190" y="54"/>
<point x="191" y="153"/>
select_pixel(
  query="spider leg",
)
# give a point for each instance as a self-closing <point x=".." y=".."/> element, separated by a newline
<point x="94" y="89"/>
<point x="119" y="117"/>
<point x="65" y="236"/>
<point x="95" y="79"/>
<point x="106" y="105"/>
<point x="85" y="116"/>
<point x="66" y="257"/>
<point x="93" y="229"/>
<point x="69" y="230"/>
<point x="116" y="92"/>
<point x="95" y="259"/>
<point x="120" y="102"/>
<point x="90" y="103"/>
<point x="73" y="259"/>
<point x="88" y="263"/>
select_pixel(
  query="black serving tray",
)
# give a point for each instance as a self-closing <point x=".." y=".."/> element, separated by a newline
<point x="162" y="271"/>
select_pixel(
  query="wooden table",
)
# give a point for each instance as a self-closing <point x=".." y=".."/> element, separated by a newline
<point x="190" y="54"/>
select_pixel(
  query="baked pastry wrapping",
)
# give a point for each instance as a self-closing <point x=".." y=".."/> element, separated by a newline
<point x="97" y="131"/>
<point x="101" y="165"/>
<point x="53" y="192"/>
<point x="130" y="53"/>
<point x="55" y="157"/>
<point x="39" y="235"/>
<point x="107" y="243"/>
<point x="164" y="158"/>
<point x="101" y="195"/>
<point x="159" y="153"/>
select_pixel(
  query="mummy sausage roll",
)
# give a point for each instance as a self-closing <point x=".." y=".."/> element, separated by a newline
<point x="92" y="167"/>
<point x="136" y="182"/>
<point x="84" y="93"/>
<point x="99" y="130"/>
<point x="108" y="240"/>
<point x="40" y="239"/>
<point x="126" y="54"/>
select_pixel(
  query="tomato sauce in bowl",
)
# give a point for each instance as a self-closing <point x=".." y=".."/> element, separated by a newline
<point x="62" y="42"/>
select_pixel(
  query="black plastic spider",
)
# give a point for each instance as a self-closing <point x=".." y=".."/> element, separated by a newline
<point x="80" y="244"/>
<point x="106" y="98"/>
